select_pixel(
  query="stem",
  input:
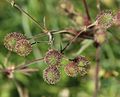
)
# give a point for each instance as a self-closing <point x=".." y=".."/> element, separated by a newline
<point x="86" y="9"/>
<point x="82" y="31"/>
<point x="19" y="89"/>
<point x="23" y="11"/>
<point x="51" y="39"/>
<point x="71" y="42"/>
<point x="39" y="42"/>
<point x="37" y="36"/>
<point x="29" y="63"/>
<point x="97" y="71"/>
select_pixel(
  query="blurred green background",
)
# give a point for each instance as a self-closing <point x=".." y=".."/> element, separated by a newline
<point x="12" y="20"/>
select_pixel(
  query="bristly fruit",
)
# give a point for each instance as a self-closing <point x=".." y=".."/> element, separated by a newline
<point x="53" y="57"/>
<point x="100" y="36"/>
<point x="11" y="39"/>
<point x="117" y="18"/>
<point x="51" y="74"/>
<point x="23" y="47"/>
<point x="83" y="65"/>
<point x="105" y="19"/>
<point x="71" y="69"/>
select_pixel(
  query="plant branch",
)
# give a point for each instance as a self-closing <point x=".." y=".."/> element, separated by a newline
<point x="21" y="91"/>
<point x="78" y="34"/>
<point x="97" y="71"/>
<point x="27" y="64"/>
<point x="12" y="2"/>
<point x="86" y="9"/>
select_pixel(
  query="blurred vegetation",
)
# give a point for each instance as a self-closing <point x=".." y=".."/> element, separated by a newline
<point x="12" y="20"/>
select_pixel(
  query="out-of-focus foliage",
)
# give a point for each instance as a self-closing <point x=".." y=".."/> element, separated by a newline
<point x="12" y="20"/>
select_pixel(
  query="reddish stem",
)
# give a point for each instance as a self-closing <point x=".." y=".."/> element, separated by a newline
<point x="97" y="72"/>
<point x="86" y="9"/>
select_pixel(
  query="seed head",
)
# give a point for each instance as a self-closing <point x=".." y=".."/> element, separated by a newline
<point x="105" y="19"/>
<point x="83" y="65"/>
<point x="23" y="47"/>
<point x="53" y="57"/>
<point x="71" y="69"/>
<point x="11" y="39"/>
<point x="51" y="75"/>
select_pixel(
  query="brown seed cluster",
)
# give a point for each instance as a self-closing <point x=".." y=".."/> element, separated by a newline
<point x="51" y="75"/>
<point x="11" y="39"/>
<point x="80" y="65"/>
<point x="83" y="65"/>
<point x="18" y="43"/>
<point x="23" y="47"/>
<point x="53" y="57"/>
<point x="105" y="19"/>
<point x="71" y="69"/>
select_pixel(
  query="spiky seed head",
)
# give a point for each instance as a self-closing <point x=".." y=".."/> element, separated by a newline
<point x="83" y="65"/>
<point x="11" y="39"/>
<point x="117" y="18"/>
<point x="53" y="57"/>
<point x="23" y="47"/>
<point x="100" y="36"/>
<point x="105" y="19"/>
<point x="71" y="69"/>
<point x="51" y="75"/>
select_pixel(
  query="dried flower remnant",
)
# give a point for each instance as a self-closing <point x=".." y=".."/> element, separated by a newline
<point x="9" y="72"/>
<point x="105" y="19"/>
<point x="51" y="75"/>
<point x="53" y="57"/>
<point x="100" y="36"/>
<point x="11" y="39"/>
<point x="71" y="69"/>
<point x="23" y="47"/>
<point x="83" y="65"/>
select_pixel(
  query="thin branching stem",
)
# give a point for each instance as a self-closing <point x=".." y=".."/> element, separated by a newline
<point x="39" y="42"/>
<point x="86" y="9"/>
<point x="78" y="34"/>
<point x="97" y="72"/>
<point x="12" y="2"/>
<point x="28" y="64"/>
<point x="19" y="89"/>
<point x="37" y="36"/>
